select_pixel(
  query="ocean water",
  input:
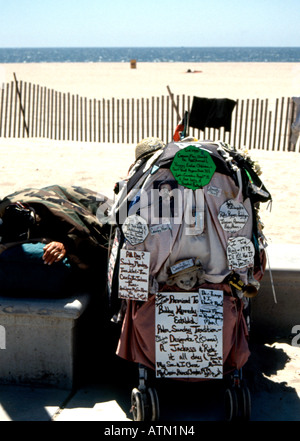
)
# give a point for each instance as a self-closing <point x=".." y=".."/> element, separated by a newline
<point x="151" y="54"/>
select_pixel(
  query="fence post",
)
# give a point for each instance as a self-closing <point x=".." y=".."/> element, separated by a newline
<point x="1" y="108"/>
<point x="11" y="107"/>
<point x="174" y="104"/>
<point x="21" y="106"/>
<point x="286" y="141"/>
<point x="291" y="119"/>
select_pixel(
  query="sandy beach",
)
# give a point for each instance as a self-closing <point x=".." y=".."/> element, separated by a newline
<point x="40" y="162"/>
<point x="118" y="80"/>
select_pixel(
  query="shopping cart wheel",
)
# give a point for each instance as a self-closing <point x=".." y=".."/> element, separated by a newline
<point x="154" y="404"/>
<point x="245" y="402"/>
<point x="137" y="405"/>
<point x="231" y="404"/>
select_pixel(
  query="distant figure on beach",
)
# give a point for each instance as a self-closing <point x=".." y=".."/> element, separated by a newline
<point x="193" y="71"/>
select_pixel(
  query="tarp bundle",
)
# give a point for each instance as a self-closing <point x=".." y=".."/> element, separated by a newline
<point x="66" y="211"/>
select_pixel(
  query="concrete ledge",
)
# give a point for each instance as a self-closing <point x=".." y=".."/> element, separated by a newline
<point x="39" y="340"/>
<point x="272" y="320"/>
<point x="63" y="308"/>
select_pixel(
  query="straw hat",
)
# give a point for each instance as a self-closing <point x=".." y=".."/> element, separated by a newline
<point x="148" y="145"/>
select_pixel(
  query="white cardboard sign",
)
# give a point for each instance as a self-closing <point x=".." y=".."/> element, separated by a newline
<point x="189" y="334"/>
<point x="135" y="229"/>
<point x="134" y="275"/>
<point x="233" y="216"/>
<point x="113" y="258"/>
<point x="240" y="252"/>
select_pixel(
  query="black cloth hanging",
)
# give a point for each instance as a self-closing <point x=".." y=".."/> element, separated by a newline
<point x="212" y="113"/>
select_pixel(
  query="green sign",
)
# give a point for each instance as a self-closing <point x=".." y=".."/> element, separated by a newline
<point x="193" y="167"/>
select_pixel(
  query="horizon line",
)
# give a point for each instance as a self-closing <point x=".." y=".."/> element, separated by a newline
<point x="149" y="47"/>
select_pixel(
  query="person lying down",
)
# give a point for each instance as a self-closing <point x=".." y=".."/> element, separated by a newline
<point x="53" y="240"/>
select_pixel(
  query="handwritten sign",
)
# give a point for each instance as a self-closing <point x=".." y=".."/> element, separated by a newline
<point x="135" y="229"/>
<point x="214" y="191"/>
<point x="210" y="307"/>
<point x="160" y="228"/>
<point x="183" y="264"/>
<point x="189" y="334"/>
<point x="134" y="275"/>
<point x="113" y="258"/>
<point x="240" y="252"/>
<point x="193" y="167"/>
<point x="233" y="216"/>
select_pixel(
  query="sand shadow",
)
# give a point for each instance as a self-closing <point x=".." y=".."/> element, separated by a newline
<point x="271" y="400"/>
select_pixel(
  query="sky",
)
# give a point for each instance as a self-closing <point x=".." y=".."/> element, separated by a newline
<point x="148" y="23"/>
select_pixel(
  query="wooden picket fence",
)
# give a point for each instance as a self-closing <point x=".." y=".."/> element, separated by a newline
<point x="30" y="110"/>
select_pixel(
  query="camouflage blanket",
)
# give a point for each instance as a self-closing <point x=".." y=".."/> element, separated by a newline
<point x="74" y="213"/>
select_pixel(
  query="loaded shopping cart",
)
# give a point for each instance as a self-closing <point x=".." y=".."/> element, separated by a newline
<point x="186" y="257"/>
